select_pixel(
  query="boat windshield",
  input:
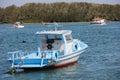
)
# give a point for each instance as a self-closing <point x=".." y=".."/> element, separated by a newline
<point x="50" y="36"/>
<point x="68" y="38"/>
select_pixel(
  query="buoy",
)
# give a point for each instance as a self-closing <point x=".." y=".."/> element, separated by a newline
<point x="23" y="41"/>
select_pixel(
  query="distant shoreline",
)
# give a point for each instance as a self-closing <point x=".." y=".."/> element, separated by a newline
<point x="51" y="23"/>
<point x="57" y="22"/>
<point x="61" y="12"/>
<point x="64" y="22"/>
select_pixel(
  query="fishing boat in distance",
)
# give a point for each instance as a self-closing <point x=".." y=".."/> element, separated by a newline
<point x="55" y="48"/>
<point x="98" y="21"/>
<point x="18" y="25"/>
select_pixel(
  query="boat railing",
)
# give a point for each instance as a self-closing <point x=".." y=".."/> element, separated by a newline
<point x="18" y="54"/>
<point x="51" y="54"/>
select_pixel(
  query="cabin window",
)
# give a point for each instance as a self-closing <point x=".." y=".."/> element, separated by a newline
<point x="55" y="37"/>
<point x="58" y="37"/>
<point x="51" y="36"/>
<point x="42" y="38"/>
<point x="68" y="38"/>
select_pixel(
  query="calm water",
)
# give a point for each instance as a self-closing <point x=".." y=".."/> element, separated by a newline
<point x="101" y="61"/>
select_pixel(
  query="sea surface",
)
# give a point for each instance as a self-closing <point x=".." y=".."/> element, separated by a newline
<point x="101" y="61"/>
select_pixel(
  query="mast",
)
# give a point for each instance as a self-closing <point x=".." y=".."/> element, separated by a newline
<point x="56" y="25"/>
<point x="38" y="42"/>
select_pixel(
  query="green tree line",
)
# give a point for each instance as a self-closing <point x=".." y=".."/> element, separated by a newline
<point x="59" y="12"/>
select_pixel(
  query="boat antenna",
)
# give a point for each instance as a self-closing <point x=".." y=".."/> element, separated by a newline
<point x="56" y="25"/>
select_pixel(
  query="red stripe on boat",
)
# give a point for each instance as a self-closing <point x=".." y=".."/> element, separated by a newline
<point x="64" y="64"/>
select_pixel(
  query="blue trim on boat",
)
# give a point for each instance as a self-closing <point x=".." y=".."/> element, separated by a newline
<point x="31" y="61"/>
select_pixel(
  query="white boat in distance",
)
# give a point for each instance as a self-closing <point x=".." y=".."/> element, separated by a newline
<point x="98" y="21"/>
<point x="18" y="25"/>
<point x="55" y="48"/>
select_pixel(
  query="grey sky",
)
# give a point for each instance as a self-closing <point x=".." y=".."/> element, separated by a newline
<point x="5" y="3"/>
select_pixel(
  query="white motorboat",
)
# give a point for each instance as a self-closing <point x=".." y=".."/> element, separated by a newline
<point x="18" y="25"/>
<point x="98" y="21"/>
<point x="55" y="48"/>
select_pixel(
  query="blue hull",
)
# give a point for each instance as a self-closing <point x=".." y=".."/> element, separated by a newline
<point x="31" y="62"/>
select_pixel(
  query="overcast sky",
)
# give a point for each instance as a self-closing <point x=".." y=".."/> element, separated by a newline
<point x="5" y="3"/>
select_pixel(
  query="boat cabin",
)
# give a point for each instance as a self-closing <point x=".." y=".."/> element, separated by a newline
<point x="60" y="40"/>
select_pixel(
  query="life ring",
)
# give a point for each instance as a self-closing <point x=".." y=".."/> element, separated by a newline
<point x="55" y="56"/>
<point x="49" y="46"/>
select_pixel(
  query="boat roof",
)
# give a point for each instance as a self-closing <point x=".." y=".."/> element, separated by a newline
<point x="17" y="22"/>
<point x="97" y="18"/>
<point x="55" y="32"/>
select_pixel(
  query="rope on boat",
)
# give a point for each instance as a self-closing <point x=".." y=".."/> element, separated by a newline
<point x="14" y="70"/>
